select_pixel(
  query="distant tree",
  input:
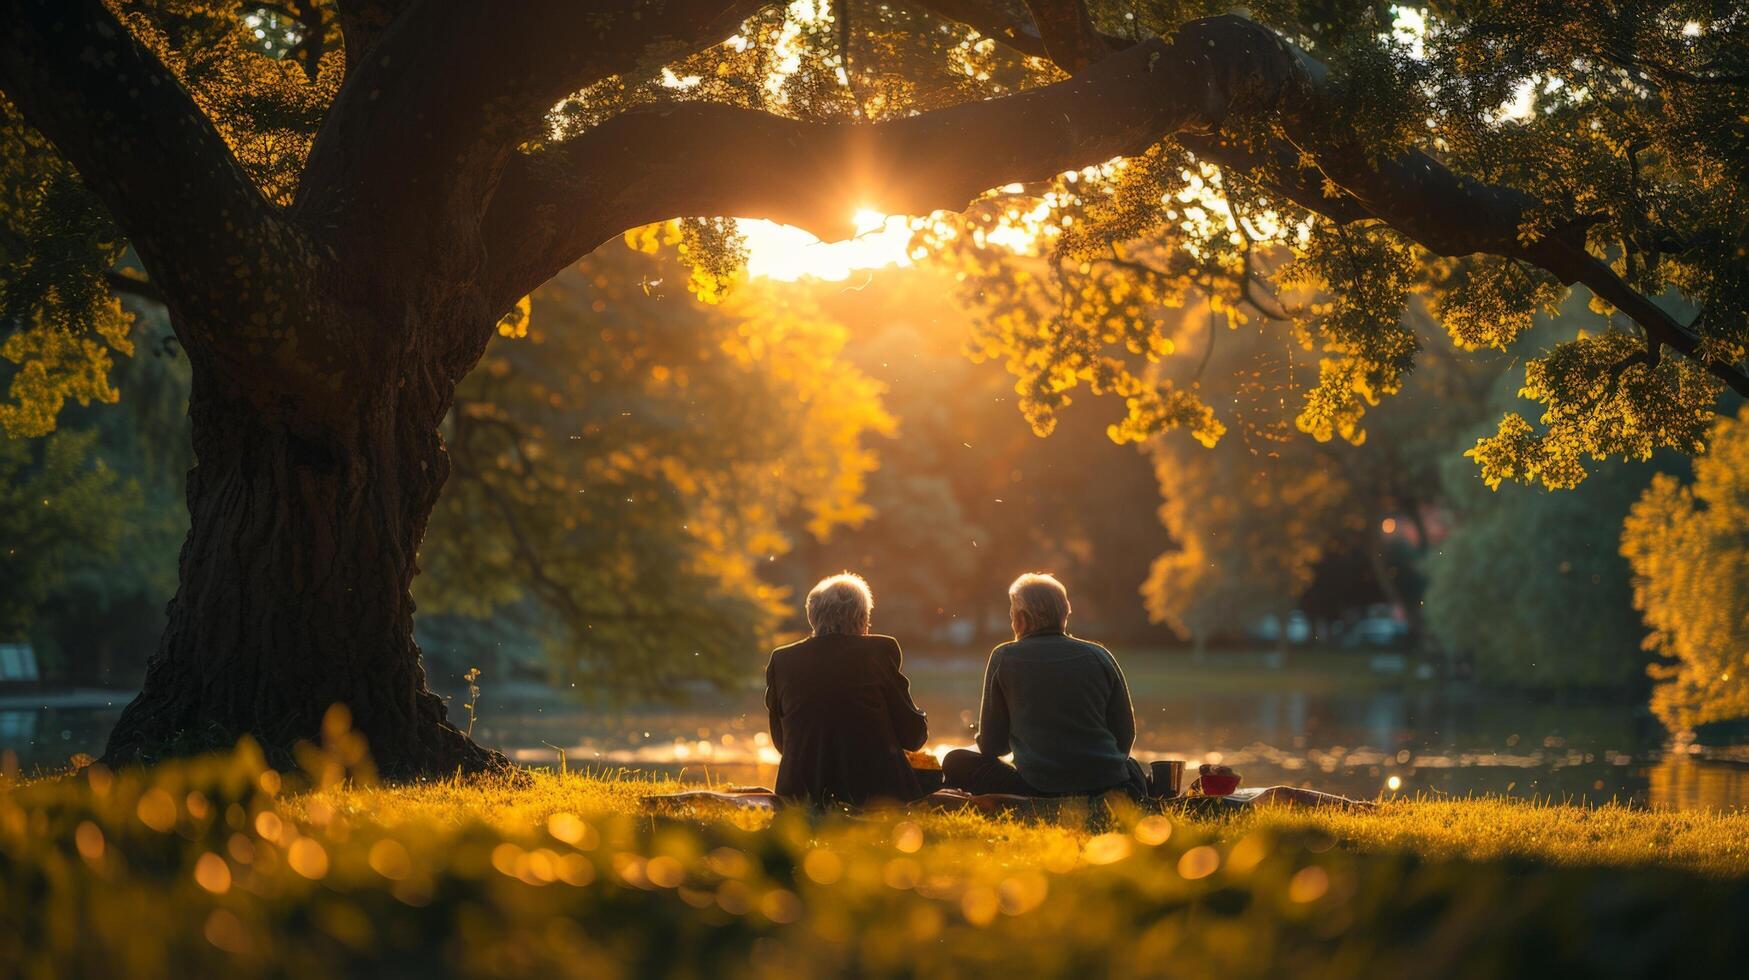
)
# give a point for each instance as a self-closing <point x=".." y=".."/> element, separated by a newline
<point x="1259" y="514"/>
<point x="1250" y="516"/>
<point x="1256" y="516"/>
<point x="101" y="622"/>
<point x="1529" y="584"/>
<point x="966" y="496"/>
<point x="629" y="459"/>
<point x="338" y="210"/>
<point x="1689" y="550"/>
<point x="60" y="507"/>
<point x="921" y="549"/>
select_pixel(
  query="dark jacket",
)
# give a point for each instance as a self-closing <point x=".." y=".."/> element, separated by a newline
<point x="841" y="714"/>
<point x="1061" y="704"/>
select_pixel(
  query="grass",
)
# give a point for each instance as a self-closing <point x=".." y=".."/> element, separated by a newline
<point x="1495" y="829"/>
<point x="221" y="866"/>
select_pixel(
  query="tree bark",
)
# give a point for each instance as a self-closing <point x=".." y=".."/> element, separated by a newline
<point x="294" y="591"/>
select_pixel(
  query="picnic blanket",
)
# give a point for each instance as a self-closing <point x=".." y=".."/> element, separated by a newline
<point x="763" y="799"/>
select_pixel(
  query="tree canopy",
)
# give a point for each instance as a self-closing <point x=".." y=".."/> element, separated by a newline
<point x="628" y="457"/>
<point x="1573" y="107"/>
<point x="1483" y="155"/>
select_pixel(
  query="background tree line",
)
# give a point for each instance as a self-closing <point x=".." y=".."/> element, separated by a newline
<point x="635" y="508"/>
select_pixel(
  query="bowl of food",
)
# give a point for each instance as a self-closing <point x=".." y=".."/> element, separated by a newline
<point x="1215" y="780"/>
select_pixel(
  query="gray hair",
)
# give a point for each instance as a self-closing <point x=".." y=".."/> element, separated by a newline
<point x="841" y="603"/>
<point x="1037" y="602"/>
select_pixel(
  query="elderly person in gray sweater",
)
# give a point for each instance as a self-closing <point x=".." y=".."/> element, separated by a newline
<point x="1059" y="703"/>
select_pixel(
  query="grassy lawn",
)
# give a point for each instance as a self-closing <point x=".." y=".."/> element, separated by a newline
<point x="222" y="866"/>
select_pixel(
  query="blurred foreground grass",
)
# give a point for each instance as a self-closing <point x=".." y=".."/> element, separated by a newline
<point x="222" y="866"/>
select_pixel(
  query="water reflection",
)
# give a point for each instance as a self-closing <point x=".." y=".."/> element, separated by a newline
<point x="43" y="737"/>
<point x="1684" y="784"/>
<point x="1433" y="740"/>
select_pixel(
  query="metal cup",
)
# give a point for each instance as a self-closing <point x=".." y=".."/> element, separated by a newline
<point x="1165" y="778"/>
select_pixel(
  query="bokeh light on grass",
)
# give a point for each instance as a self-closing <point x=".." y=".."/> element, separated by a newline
<point x="225" y="866"/>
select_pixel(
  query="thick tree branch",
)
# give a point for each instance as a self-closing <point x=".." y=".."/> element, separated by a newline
<point x="414" y="144"/>
<point x="1452" y="215"/>
<point x="122" y="120"/>
<point x="1415" y="194"/>
<point x="1009" y="22"/>
<point x="1577" y="265"/>
<point x="700" y="159"/>
<point x="1276" y="167"/>
<point x="205" y="234"/>
<point x="705" y="159"/>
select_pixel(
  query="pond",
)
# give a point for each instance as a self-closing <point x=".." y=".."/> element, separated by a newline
<point x="1328" y="723"/>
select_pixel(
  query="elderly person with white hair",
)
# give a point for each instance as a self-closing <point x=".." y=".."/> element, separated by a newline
<point x="841" y="709"/>
<point x="1058" y="702"/>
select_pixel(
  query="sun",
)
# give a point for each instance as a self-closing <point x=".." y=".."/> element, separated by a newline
<point x="788" y="253"/>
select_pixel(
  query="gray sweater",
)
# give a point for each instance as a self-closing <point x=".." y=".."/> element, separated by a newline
<point x="1061" y="704"/>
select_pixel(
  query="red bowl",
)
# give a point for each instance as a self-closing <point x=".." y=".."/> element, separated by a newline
<point x="1215" y="784"/>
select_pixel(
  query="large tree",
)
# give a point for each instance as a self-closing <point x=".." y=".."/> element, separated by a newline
<point x="333" y="284"/>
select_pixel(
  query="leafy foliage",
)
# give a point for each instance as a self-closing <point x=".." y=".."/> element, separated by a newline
<point x="1488" y="302"/>
<point x="58" y="246"/>
<point x="1073" y="318"/>
<point x="103" y="618"/>
<point x="715" y="252"/>
<point x="1600" y="403"/>
<point x="63" y="325"/>
<point x="1690" y="558"/>
<point x="626" y="469"/>
<point x="1255" y="516"/>
<point x="1248" y="536"/>
<point x="59" y="506"/>
<point x="1366" y="347"/>
<point x="1515" y="554"/>
<point x="231" y="59"/>
<point x="1624" y="125"/>
<point x="1627" y="124"/>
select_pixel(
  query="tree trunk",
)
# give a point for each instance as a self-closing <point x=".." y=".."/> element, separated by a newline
<point x="294" y="591"/>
